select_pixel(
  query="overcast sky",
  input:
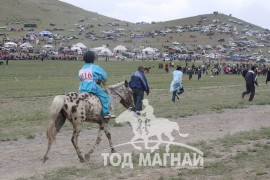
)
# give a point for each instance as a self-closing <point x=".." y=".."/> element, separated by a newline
<point x="253" y="11"/>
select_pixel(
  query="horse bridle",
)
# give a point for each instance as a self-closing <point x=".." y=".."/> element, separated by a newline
<point x="125" y="102"/>
<point x="122" y="98"/>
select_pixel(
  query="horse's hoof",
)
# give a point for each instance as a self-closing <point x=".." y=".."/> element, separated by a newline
<point x="82" y="160"/>
<point x="45" y="158"/>
<point x="87" y="157"/>
<point x="113" y="150"/>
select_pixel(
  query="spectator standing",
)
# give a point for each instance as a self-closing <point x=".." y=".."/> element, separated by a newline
<point x="199" y="73"/>
<point x="138" y="83"/>
<point x="268" y="75"/>
<point x="251" y="79"/>
<point x="176" y="86"/>
<point x="166" y="68"/>
<point x="190" y="72"/>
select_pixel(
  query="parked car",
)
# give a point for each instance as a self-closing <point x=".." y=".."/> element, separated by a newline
<point x="167" y="58"/>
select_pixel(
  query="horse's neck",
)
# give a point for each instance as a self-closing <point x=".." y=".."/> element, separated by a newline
<point x="115" y="98"/>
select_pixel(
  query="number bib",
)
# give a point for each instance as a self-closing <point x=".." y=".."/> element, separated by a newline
<point x="86" y="74"/>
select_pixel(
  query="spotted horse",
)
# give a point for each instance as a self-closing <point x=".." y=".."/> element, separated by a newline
<point x="80" y="107"/>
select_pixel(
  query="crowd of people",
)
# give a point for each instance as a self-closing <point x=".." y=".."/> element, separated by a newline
<point x="4" y="55"/>
<point x="215" y="69"/>
<point x="249" y="71"/>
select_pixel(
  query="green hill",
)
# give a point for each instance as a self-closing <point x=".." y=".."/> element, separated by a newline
<point x="53" y="14"/>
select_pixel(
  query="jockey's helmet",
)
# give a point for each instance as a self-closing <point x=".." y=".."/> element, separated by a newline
<point x="89" y="57"/>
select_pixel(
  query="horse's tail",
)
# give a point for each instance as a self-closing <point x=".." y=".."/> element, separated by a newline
<point x="58" y="118"/>
<point x="176" y="127"/>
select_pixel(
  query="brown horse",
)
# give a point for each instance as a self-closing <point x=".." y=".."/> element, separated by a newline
<point x="80" y="107"/>
<point x="147" y="69"/>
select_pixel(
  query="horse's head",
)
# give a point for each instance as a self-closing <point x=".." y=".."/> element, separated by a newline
<point x="123" y="92"/>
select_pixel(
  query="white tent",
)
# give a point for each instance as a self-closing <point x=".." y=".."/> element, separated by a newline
<point x="75" y="48"/>
<point x="80" y="45"/>
<point x="103" y="51"/>
<point x="148" y="50"/>
<point x="119" y="49"/>
<point x="10" y="45"/>
<point x="26" y="45"/>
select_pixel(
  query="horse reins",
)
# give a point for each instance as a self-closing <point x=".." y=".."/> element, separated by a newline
<point x="122" y="99"/>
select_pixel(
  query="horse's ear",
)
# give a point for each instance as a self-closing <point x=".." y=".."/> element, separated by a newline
<point x="126" y="83"/>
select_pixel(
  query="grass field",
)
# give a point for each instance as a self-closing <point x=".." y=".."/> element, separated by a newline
<point x="28" y="87"/>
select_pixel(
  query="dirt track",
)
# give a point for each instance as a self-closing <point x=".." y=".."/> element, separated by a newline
<point x="22" y="158"/>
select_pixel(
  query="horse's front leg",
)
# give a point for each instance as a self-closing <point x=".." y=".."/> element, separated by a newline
<point x="87" y="156"/>
<point x="108" y="134"/>
<point x="77" y="126"/>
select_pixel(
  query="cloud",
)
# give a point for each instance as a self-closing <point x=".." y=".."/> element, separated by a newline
<point x="147" y="10"/>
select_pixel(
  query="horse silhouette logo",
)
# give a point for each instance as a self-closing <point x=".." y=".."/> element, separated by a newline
<point x="146" y="126"/>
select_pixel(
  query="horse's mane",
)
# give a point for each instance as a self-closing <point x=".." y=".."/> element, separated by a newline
<point x="116" y="85"/>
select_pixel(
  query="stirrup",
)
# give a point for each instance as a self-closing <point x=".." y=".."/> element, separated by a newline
<point x="112" y="116"/>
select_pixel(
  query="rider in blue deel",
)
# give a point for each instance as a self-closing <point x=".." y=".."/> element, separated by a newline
<point x="89" y="75"/>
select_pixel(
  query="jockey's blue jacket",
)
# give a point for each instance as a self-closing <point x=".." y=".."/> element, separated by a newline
<point x="89" y="75"/>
